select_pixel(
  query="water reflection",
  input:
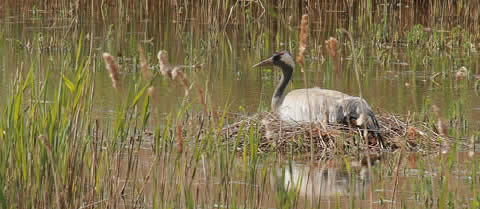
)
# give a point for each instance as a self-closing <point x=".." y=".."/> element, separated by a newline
<point x="325" y="179"/>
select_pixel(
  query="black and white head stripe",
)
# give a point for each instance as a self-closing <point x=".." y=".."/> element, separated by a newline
<point x="284" y="57"/>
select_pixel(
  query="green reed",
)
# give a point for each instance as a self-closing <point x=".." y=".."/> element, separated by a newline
<point x="59" y="153"/>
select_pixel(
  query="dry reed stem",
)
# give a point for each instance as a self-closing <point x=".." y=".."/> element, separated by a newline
<point x="48" y="148"/>
<point x="476" y="86"/>
<point x="113" y="69"/>
<point x="303" y="41"/>
<point x="397" y="172"/>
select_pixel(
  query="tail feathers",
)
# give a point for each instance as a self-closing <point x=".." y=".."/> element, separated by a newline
<point x="356" y="111"/>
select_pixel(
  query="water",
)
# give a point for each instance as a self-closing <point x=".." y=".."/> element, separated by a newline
<point x="401" y="80"/>
<point x="326" y="184"/>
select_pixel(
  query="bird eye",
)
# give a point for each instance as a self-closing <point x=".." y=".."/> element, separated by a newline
<point x="277" y="56"/>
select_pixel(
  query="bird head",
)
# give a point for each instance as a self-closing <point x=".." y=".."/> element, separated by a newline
<point x="283" y="58"/>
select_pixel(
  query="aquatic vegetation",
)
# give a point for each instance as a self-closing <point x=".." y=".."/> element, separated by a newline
<point x="194" y="138"/>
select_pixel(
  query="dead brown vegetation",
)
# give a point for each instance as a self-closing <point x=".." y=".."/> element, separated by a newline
<point x="328" y="140"/>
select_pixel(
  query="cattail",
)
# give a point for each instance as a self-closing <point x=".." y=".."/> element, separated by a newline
<point x="143" y="63"/>
<point x="331" y="46"/>
<point x="303" y="41"/>
<point x="144" y="67"/>
<point x="412" y="133"/>
<point x="151" y="91"/>
<point x="442" y="127"/>
<point x="165" y="68"/>
<point x="200" y="98"/>
<point x="179" y="137"/>
<point x="177" y="74"/>
<point x="471" y="146"/>
<point x="113" y="69"/>
<point x="172" y="72"/>
<point x="412" y="160"/>
<point x="461" y="73"/>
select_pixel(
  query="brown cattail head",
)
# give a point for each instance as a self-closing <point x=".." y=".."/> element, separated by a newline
<point x="442" y="127"/>
<point x="412" y="133"/>
<point x="471" y="146"/>
<point x="151" y="91"/>
<point x="146" y="74"/>
<point x="143" y="63"/>
<point x="303" y="40"/>
<point x="113" y="69"/>
<point x="172" y="72"/>
<point x="165" y="67"/>
<point x="331" y="46"/>
<point x="162" y="57"/>
<point x="179" y="136"/>
<point x="200" y="97"/>
<point x="177" y="74"/>
<point x="412" y="160"/>
<point x="461" y="73"/>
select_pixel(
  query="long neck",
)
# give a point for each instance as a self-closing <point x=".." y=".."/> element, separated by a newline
<point x="279" y="94"/>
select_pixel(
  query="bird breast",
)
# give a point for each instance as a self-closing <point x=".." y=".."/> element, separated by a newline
<point x="311" y="105"/>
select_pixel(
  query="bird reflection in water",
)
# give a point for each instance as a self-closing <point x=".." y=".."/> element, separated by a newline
<point x="327" y="180"/>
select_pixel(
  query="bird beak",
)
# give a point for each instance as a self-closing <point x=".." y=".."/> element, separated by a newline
<point x="266" y="62"/>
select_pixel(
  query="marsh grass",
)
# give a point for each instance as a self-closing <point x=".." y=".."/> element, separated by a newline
<point x="71" y="159"/>
<point x="59" y="150"/>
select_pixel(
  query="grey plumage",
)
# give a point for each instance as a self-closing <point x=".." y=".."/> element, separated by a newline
<point x="316" y="104"/>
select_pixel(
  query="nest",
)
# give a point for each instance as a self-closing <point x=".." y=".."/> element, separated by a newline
<point x="326" y="139"/>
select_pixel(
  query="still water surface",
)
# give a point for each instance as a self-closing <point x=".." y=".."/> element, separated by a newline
<point x="409" y="83"/>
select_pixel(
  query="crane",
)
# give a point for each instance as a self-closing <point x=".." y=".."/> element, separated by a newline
<point x="316" y="104"/>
